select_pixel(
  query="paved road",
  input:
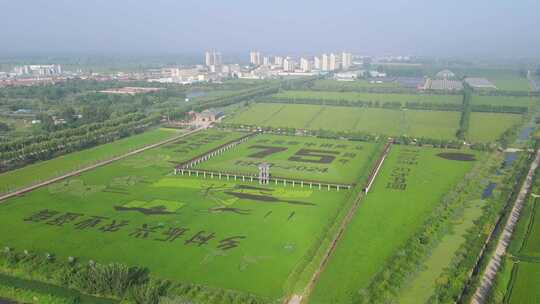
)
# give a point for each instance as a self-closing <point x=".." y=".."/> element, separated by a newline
<point x="91" y="167"/>
<point x="495" y="261"/>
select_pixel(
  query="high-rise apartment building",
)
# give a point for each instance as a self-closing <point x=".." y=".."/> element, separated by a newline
<point x="334" y="62"/>
<point x="288" y="65"/>
<point x="255" y="58"/>
<point x="305" y="65"/>
<point x="346" y="60"/>
<point x="325" y="65"/>
<point x="212" y="58"/>
<point x="316" y="63"/>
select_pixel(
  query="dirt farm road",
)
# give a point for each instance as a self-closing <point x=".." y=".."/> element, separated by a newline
<point x="495" y="261"/>
<point x="96" y="165"/>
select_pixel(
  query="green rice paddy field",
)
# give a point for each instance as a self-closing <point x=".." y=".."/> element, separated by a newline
<point x="519" y="277"/>
<point x="329" y="84"/>
<point x="525" y="287"/>
<point x="524" y="101"/>
<point x="47" y="169"/>
<point x="387" y="218"/>
<point x="488" y="127"/>
<point x="301" y="158"/>
<point x="206" y="231"/>
<point x="504" y="79"/>
<point x="374" y="97"/>
<point x="432" y="124"/>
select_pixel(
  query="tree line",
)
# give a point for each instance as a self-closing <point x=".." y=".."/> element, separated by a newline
<point x="130" y="284"/>
<point x="21" y="152"/>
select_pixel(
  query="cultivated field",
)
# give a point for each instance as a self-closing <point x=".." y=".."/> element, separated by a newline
<point x="525" y="285"/>
<point x="373" y="97"/>
<point x="387" y="218"/>
<point x="488" y="127"/>
<point x="504" y="79"/>
<point x="218" y="233"/>
<point x="519" y="276"/>
<point x="432" y="124"/>
<point x="329" y="84"/>
<point x="47" y="169"/>
<point x="505" y="101"/>
<point x="300" y="158"/>
<point x="531" y="246"/>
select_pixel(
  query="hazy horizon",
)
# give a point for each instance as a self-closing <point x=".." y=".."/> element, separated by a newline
<point x="419" y="28"/>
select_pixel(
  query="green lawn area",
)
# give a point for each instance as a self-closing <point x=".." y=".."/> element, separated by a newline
<point x="488" y="127"/>
<point x="525" y="288"/>
<point x="432" y="124"/>
<point x="205" y="231"/>
<point x="51" y="168"/>
<point x="294" y="157"/>
<point x="374" y="97"/>
<point x="387" y="217"/>
<point x="505" y="100"/>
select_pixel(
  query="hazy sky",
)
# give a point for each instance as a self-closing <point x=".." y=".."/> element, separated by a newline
<point x="417" y="27"/>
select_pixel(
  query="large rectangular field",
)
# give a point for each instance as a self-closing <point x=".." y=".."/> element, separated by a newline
<point x="504" y="79"/>
<point x="525" y="287"/>
<point x="410" y="185"/>
<point x="432" y="124"/>
<point x="47" y="169"/>
<point x="531" y="246"/>
<point x="488" y="127"/>
<point x="333" y="85"/>
<point x="218" y="233"/>
<point x="300" y="158"/>
<point x="523" y="101"/>
<point x="373" y="97"/>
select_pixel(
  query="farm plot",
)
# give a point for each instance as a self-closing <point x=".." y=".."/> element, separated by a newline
<point x="210" y="232"/>
<point x="525" y="285"/>
<point x="532" y="243"/>
<point x="333" y="85"/>
<point x="432" y="124"/>
<point x="503" y="79"/>
<point x="488" y="127"/>
<point x="48" y="169"/>
<point x="410" y="185"/>
<point x="524" y="101"/>
<point x="369" y="97"/>
<point x="300" y="158"/>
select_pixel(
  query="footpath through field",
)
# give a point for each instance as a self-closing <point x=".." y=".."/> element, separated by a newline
<point x="96" y="165"/>
<point x="495" y="261"/>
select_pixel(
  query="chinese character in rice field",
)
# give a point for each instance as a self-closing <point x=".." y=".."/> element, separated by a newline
<point x="172" y="234"/>
<point x="114" y="226"/>
<point x="200" y="238"/>
<point x="144" y="231"/>
<point x="65" y="218"/>
<point x="229" y="243"/>
<point x="90" y="222"/>
<point x="41" y="215"/>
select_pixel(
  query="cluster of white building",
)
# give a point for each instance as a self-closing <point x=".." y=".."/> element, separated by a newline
<point x="213" y="70"/>
<point x="38" y="70"/>
<point x="324" y="62"/>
